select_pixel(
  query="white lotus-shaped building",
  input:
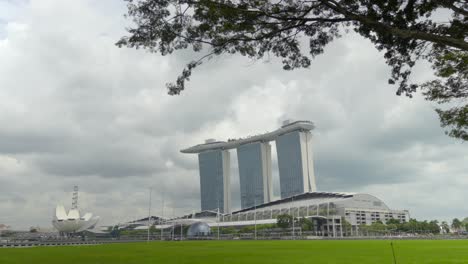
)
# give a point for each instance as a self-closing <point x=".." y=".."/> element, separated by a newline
<point x="72" y="222"/>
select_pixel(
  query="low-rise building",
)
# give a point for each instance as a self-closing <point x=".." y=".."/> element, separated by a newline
<point x="327" y="209"/>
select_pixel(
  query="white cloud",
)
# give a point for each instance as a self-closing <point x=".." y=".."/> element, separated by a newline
<point x="75" y="109"/>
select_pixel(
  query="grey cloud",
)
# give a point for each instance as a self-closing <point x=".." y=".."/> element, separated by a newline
<point x="14" y="143"/>
<point x="76" y="110"/>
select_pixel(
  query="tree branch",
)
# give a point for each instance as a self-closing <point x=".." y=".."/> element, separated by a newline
<point x="458" y="9"/>
<point x="402" y="33"/>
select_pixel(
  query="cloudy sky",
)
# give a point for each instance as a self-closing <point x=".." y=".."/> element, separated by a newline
<point x="76" y="110"/>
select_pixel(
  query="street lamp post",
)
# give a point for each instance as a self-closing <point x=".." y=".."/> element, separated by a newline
<point x="217" y="212"/>
<point x="255" y="216"/>
<point x="173" y="225"/>
<point x="293" y="224"/>
<point x="218" y="222"/>
<point x="162" y="216"/>
<point x="181" y="231"/>
<point x="149" y="213"/>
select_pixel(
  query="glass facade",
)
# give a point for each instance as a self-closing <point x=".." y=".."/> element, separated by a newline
<point x="214" y="180"/>
<point x="254" y="173"/>
<point x="293" y="163"/>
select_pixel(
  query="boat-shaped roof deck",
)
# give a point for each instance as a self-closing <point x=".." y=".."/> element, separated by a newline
<point x="270" y="136"/>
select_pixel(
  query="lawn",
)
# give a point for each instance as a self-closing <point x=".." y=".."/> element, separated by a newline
<point x="224" y="252"/>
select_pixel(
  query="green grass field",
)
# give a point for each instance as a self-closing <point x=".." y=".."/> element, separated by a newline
<point x="224" y="252"/>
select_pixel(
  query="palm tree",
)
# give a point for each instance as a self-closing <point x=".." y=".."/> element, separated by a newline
<point x="456" y="224"/>
<point x="445" y="227"/>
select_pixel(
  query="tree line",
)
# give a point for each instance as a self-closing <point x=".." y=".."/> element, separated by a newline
<point x="286" y="221"/>
<point x="414" y="226"/>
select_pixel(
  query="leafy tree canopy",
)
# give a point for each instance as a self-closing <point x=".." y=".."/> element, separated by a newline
<point x="284" y="220"/>
<point x="412" y="226"/>
<point x="445" y="226"/>
<point x="456" y="223"/>
<point x="306" y="224"/>
<point x="405" y="30"/>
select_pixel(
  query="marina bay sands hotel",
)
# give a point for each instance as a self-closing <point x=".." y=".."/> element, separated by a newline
<point x="296" y="171"/>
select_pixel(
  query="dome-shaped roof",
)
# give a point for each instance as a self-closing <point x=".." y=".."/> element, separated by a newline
<point x="199" y="229"/>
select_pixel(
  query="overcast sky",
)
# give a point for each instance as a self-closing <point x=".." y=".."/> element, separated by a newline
<point x="76" y="110"/>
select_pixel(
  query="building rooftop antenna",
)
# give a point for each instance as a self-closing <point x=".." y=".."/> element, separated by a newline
<point x="75" y="198"/>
